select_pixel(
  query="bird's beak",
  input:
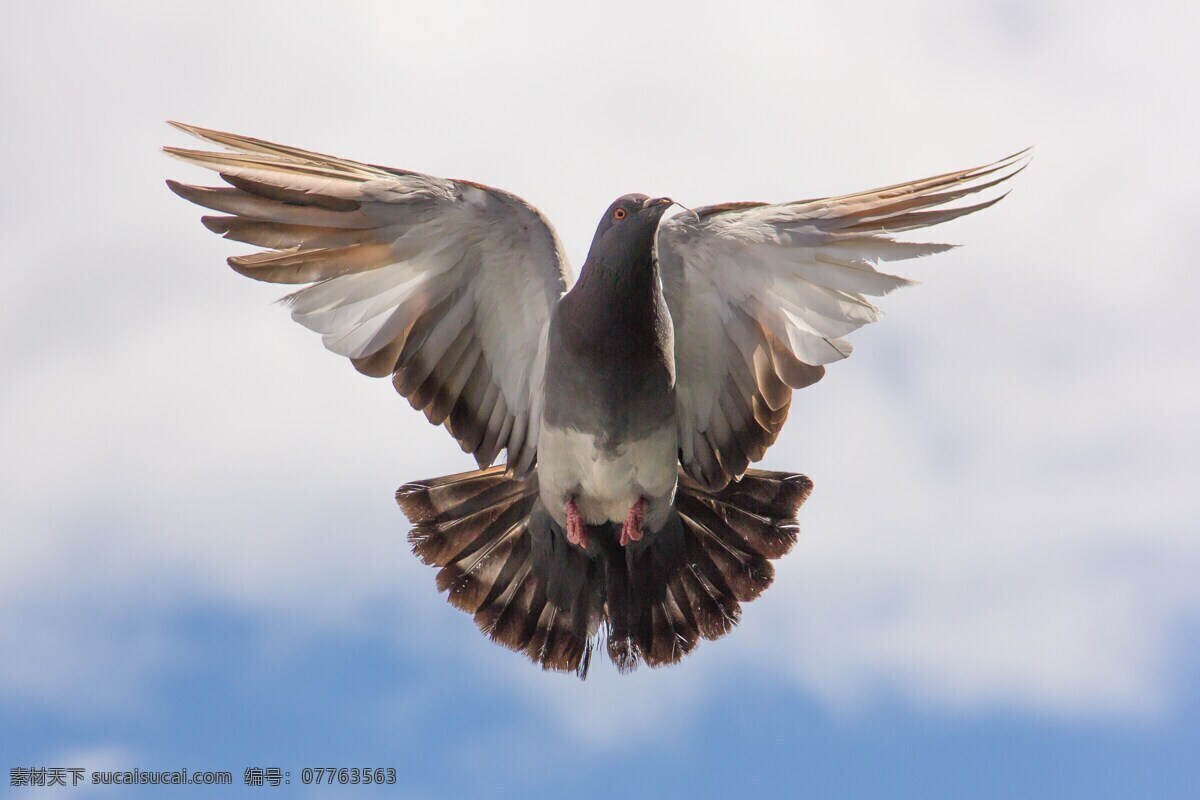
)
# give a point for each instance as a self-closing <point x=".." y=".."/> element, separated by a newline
<point x="663" y="203"/>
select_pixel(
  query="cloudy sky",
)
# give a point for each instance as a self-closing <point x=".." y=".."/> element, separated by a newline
<point x="995" y="591"/>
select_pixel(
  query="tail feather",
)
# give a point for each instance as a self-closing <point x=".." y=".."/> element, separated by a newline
<point x="719" y="608"/>
<point x="618" y="596"/>
<point x="774" y="495"/>
<point x="669" y="633"/>
<point x="471" y="577"/>
<point x="448" y="497"/>
<point x="501" y="618"/>
<point x="476" y="526"/>
<point x="682" y="616"/>
<point x="746" y="571"/>
<point x="504" y="561"/>
<point x="716" y="613"/>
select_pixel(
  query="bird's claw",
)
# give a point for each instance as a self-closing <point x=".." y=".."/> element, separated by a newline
<point x="631" y="531"/>
<point x="576" y="528"/>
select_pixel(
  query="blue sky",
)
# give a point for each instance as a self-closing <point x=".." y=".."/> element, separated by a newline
<point x="994" y="593"/>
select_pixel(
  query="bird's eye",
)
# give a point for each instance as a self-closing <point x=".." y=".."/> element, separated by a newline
<point x="619" y="214"/>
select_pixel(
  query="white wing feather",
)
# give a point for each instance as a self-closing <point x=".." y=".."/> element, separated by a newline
<point x="446" y="284"/>
<point x="761" y="296"/>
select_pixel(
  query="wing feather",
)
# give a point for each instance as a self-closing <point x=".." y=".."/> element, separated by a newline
<point x="446" y="285"/>
<point x="761" y="296"/>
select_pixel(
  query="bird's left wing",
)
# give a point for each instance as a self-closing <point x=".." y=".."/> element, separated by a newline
<point x="761" y="296"/>
<point x="446" y="285"/>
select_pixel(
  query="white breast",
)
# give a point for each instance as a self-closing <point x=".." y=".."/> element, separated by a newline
<point x="605" y="484"/>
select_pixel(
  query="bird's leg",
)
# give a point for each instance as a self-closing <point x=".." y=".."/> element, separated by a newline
<point x="576" y="528"/>
<point x="632" y="530"/>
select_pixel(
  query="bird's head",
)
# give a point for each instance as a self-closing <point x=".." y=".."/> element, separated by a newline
<point x="626" y="231"/>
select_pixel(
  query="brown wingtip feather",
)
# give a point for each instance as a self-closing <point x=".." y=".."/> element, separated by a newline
<point x="295" y="266"/>
<point x="178" y="188"/>
<point x="210" y="135"/>
<point x="183" y="126"/>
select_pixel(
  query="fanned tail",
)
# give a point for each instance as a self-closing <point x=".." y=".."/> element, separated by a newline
<point x="687" y="582"/>
<point x="485" y="529"/>
<point x="504" y="561"/>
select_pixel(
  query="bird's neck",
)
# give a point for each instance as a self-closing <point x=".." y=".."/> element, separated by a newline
<point x="620" y="295"/>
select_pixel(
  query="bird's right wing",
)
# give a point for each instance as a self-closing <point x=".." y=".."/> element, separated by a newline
<point x="761" y="295"/>
<point x="446" y="285"/>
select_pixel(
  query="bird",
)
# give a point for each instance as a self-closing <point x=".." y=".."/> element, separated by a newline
<point x="629" y="403"/>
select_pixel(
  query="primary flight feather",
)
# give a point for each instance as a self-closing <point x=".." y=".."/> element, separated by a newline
<point x="629" y="403"/>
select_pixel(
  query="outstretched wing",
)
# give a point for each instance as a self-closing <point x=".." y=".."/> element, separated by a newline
<point x="446" y="285"/>
<point x="761" y="296"/>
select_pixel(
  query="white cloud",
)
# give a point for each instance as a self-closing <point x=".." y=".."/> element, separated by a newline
<point x="1003" y="513"/>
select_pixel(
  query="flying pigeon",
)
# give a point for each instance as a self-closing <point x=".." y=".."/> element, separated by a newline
<point x="629" y="403"/>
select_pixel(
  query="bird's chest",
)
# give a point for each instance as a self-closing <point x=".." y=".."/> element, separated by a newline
<point x="610" y="376"/>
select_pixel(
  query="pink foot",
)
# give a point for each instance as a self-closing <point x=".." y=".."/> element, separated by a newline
<point x="632" y="530"/>
<point x="576" y="529"/>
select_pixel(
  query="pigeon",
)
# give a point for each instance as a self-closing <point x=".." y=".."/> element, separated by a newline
<point x="629" y="404"/>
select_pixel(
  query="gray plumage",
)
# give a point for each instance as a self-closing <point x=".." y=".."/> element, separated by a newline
<point x="629" y="404"/>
